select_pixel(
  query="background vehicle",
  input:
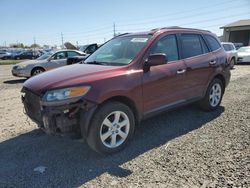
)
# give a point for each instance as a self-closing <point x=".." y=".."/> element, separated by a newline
<point x="231" y="51"/>
<point x="129" y="78"/>
<point x="238" y="45"/>
<point x="43" y="63"/>
<point x="29" y="54"/>
<point x="244" y="54"/>
<point x="87" y="49"/>
<point x="5" y="55"/>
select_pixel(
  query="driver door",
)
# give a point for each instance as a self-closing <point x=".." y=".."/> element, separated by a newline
<point x="164" y="85"/>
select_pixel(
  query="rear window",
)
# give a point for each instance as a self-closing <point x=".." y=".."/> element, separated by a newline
<point x="192" y="45"/>
<point x="212" y="42"/>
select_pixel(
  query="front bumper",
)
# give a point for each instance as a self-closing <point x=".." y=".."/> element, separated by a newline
<point x="243" y="59"/>
<point x="20" y="73"/>
<point x="64" y="119"/>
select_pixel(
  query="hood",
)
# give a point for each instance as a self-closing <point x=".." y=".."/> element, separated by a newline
<point x="243" y="54"/>
<point x="71" y="75"/>
<point x="31" y="62"/>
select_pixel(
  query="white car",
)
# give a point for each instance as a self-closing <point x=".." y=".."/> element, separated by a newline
<point x="231" y="51"/>
<point x="244" y="55"/>
<point x="43" y="63"/>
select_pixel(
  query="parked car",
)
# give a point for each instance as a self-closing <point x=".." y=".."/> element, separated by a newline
<point x="238" y="45"/>
<point x="43" y="63"/>
<point x="231" y="51"/>
<point x="244" y="54"/>
<point x="5" y="55"/>
<point x="128" y="79"/>
<point x="87" y="49"/>
<point x="29" y="54"/>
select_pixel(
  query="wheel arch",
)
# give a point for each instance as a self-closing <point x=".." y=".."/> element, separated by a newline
<point x="127" y="101"/>
<point x="86" y="118"/>
<point x="37" y="67"/>
<point x="223" y="80"/>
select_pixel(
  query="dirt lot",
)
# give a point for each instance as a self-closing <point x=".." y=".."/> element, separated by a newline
<point x="182" y="148"/>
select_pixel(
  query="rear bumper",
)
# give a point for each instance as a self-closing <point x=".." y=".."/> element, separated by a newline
<point x="67" y="119"/>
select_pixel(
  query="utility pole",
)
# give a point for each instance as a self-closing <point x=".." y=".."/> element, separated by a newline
<point x="62" y="39"/>
<point x="34" y="38"/>
<point x="114" y="28"/>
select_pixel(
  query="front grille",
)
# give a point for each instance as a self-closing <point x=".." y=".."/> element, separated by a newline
<point x="32" y="106"/>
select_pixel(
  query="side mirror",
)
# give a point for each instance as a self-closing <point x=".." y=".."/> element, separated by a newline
<point x="155" y="60"/>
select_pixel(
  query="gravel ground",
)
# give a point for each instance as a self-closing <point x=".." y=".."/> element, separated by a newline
<point x="182" y="148"/>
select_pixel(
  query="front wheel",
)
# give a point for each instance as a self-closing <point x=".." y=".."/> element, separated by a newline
<point x="112" y="128"/>
<point x="213" y="96"/>
<point x="36" y="71"/>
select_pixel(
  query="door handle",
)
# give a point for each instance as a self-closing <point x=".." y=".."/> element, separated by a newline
<point x="181" y="71"/>
<point x="212" y="62"/>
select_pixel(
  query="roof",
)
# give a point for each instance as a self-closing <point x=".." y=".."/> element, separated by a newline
<point x="239" y="23"/>
<point x="163" y="29"/>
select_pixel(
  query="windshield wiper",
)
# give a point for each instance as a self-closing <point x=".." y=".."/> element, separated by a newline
<point x="96" y="63"/>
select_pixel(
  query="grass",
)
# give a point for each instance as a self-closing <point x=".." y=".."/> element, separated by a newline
<point x="10" y="62"/>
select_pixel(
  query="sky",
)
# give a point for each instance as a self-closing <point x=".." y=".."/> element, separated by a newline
<point x="92" y="21"/>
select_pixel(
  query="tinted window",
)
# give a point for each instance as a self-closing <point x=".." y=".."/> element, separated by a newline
<point x="72" y="54"/>
<point x="191" y="45"/>
<point x="168" y="46"/>
<point x="212" y="42"/>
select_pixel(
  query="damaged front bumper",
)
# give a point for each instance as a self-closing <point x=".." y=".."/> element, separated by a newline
<point x="70" y="118"/>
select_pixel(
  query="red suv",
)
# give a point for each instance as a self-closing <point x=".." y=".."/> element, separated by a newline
<point x="129" y="78"/>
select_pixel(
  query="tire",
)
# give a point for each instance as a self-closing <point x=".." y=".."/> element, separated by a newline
<point x="37" y="71"/>
<point x="232" y="63"/>
<point x="105" y="132"/>
<point x="213" y="96"/>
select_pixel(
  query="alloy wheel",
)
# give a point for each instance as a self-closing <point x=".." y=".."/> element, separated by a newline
<point x="115" y="129"/>
<point x="215" y="95"/>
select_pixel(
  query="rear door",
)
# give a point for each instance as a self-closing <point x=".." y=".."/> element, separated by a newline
<point x="199" y="61"/>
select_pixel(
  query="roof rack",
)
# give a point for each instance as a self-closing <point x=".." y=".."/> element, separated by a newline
<point x="177" y="27"/>
<point x="121" y="34"/>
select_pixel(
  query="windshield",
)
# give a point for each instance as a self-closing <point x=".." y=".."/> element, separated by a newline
<point x="244" y="49"/>
<point x="44" y="56"/>
<point x="118" y="51"/>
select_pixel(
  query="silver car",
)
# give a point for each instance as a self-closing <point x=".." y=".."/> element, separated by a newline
<point x="43" y="63"/>
<point x="231" y="51"/>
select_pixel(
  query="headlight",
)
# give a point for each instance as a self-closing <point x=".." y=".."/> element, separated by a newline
<point x="17" y="67"/>
<point x="65" y="93"/>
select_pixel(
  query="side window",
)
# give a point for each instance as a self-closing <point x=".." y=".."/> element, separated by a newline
<point x="204" y="46"/>
<point x="168" y="46"/>
<point x="72" y="54"/>
<point x="59" y="55"/>
<point x="191" y="45"/>
<point x="212" y="42"/>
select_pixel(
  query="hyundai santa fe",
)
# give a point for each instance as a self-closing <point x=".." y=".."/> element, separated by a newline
<point x="129" y="78"/>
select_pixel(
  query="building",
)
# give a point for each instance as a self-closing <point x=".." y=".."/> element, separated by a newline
<point x="237" y="32"/>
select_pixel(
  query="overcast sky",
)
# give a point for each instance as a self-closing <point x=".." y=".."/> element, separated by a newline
<point x="92" y="21"/>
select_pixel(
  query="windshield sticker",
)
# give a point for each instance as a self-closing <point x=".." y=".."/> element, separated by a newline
<point x="139" y="39"/>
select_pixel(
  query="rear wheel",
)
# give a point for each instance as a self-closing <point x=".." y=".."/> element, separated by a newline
<point x="213" y="96"/>
<point x="37" y="71"/>
<point x="112" y="128"/>
<point x="232" y="63"/>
